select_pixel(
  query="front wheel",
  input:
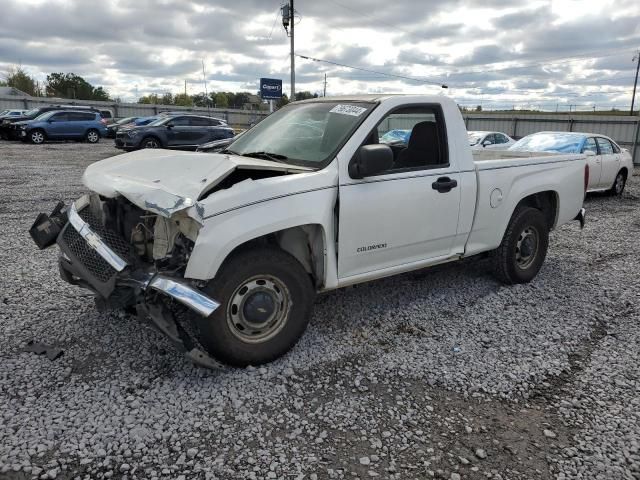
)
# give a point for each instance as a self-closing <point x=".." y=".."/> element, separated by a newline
<point x="92" y="136"/>
<point x="37" y="136"/>
<point x="524" y="246"/>
<point x="150" y="142"/>
<point x="618" y="184"/>
<point x="265" y="299"/>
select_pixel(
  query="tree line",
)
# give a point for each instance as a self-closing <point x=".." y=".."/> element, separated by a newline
<point x="61" y="85"/>
<point x="70" y="85"/>
<point x="218" y="99"/>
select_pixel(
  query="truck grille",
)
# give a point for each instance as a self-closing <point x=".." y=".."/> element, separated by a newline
<point x="87" y="256"/>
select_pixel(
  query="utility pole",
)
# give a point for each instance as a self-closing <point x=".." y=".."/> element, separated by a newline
<point x="293" y="55"/>
<point x="635" y="83"/>
<point x="324" y="93"/>
<point x="206" y="94"/>
<point x="288" y="20"/>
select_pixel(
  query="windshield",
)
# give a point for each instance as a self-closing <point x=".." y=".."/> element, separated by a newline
<point x="307" y="134"/>
<point x="159" y="121"/>
<point x="550" y="142"/>
<point x="31" y="112"/>
<point x="46" y="115"/>
<point x="474" y="137"/>
<point x="125" y="120"/>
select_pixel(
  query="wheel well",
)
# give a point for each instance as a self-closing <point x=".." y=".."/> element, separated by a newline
<point x="546" y="202"/>
<point x="306" y="243"/>
<point x="625" y="172"/>
<point x="151" y="136"/>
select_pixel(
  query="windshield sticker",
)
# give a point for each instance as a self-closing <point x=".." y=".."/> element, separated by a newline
<point x="352" y="110"/>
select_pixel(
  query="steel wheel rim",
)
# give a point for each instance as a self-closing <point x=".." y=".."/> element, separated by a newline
<point x="619" y="183"/>
<point x="150" y="144"/>
<point x="93" y="137"/>
<point x="251" y="330"/>
<point x="527" y="247"/>
<point x="37" y="137"/>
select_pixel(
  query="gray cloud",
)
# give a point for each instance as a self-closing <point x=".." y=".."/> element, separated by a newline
<point x="160" y="43"/>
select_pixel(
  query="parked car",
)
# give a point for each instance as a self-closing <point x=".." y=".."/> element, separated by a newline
<point x="107" y="114"/>
<point x="245" y="239"/>
<point x="12" y="113"/>
<point x="113" y="127"/>
<point x="8" y="130"/>
<point x="396" y="136"/>
<point x="168" y="131"/>
<point x="609" y="165"/>
<point x="63" y="125"/>
<point x="491" y="140"/>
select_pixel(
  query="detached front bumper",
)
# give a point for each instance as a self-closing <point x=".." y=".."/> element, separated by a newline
<point x="96" y="258"/>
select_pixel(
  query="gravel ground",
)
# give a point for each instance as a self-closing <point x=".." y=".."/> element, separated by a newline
<point x="444" y="373"/>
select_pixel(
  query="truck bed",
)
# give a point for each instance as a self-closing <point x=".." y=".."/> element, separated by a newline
<point x="491" y="159"/>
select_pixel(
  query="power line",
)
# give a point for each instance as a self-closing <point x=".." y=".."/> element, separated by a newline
<point x="413" y="79"/>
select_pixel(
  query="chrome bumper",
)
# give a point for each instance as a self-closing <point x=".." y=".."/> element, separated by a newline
<point x="179" y="290"/>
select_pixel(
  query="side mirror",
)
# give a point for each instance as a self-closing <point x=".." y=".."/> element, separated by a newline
<point x="589" y="153"/>
<point x="487" y="143"/>
<point x="370" y="160"/>
<point x="50" y="120"/>
<point x="169" y="125"/>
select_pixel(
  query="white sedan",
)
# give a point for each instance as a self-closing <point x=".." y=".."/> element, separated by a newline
<point x="491" y="140"/>
<point x="609" y="165"/>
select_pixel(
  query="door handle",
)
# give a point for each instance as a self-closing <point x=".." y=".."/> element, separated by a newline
<point x="444" y="184"/>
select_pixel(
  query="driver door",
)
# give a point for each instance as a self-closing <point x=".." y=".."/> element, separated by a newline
<point x="399" y="217"/>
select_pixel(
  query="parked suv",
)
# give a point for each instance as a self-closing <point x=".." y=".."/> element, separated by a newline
<point x="8" y="130"/>
<point x="180" y="131"/>
<point x="63" y="125"/>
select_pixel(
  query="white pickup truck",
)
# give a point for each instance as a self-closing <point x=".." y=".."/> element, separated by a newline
<point x="306" y="201"/>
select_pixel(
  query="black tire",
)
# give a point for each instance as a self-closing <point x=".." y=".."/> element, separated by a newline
<point x="92" y="136"/>
<point x="524" y="246"/>
<point x="37" y="136"/>
<point x="618" y="184"/>
<point x="287" y="296"/>
<point x="150" y="142"/>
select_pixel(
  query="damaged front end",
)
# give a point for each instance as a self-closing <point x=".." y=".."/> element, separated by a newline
<point x="131" y="258"/>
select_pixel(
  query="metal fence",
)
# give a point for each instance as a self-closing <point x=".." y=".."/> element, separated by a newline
<point x="625" y="130"/>
<point x="236" y="118"/>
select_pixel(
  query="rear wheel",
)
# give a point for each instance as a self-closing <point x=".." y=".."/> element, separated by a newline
<point x="92" y="136"/>
<point x="150" y="142"/>
<point x="37" y="136"/>
<point x="524" y="246"/>
<point x="265" y="299"/>
<point x="618" y="184"/>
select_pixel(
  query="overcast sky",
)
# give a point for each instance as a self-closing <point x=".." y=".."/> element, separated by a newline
<point x="506" y="52"/>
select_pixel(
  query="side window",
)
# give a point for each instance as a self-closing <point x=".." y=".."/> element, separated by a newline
<point x="590" y="145"/>
<point x="605" y="146"/>
<point x="214" y="123"/>
<point x="500" y="138"/>
<point x="181" y="121"/>
<point x="199" y="122"/>
<point x="616" y="148"/>
<point x="60" y="117"/>
<point x="490" y="138"/>
<point x="81" y="117"/>
<point x="416" y="136"/>
<point x="105" y="114"/>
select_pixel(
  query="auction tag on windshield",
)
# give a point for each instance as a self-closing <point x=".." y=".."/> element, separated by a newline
<point x="352" y="110"/>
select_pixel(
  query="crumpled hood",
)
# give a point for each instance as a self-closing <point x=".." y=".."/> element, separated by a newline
<point x="166" y="181"/>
